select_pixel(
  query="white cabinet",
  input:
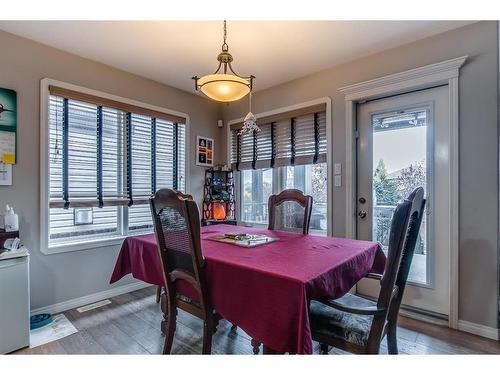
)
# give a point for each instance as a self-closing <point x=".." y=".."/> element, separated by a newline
<point x="14" y="304"/>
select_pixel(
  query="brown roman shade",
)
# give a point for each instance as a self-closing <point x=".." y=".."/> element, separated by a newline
<point x="110" y="103"/>
<point x="295" y="137"/>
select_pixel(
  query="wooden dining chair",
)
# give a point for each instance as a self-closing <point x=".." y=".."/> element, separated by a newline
<point x="177" y="229"/>
<point x="356" y="324"/>
<point x="290" y="211"/>
<point x="418" y="208"/>
<point x="160" y="288"/>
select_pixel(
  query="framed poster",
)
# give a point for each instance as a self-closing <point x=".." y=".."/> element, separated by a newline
<point x="204" y="151"/>
<point x="8" y="126"/>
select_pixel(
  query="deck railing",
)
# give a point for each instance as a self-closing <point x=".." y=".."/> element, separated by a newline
<point x="382" y="215"/>
<point x="258" y="213"/>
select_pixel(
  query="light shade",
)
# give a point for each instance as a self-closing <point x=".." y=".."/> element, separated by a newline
<point x="224" y="87"/>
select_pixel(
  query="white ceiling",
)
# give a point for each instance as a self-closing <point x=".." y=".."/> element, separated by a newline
<point x="172" y="52"/>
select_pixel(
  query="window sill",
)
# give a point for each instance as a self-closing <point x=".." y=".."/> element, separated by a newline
<point x="88" y="244"/>
<point x="252" y="224"/>
<point x="264" y="225"/>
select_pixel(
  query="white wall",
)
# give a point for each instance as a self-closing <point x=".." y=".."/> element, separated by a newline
<point x="61" y="277"/>
<point x="478" y="217"/>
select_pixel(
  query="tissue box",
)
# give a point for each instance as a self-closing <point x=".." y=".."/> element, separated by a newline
<point x="6" y="235"/>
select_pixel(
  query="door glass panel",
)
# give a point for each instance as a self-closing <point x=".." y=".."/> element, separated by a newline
<point x="399" y="166"/>
<point x="311" y="179"/>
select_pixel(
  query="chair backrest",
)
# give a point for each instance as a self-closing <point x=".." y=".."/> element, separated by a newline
<point x="397" y="238"/>
<point x="177" y="229"/>
<point x="290" y="211"/>
<point x="402" y="238"/>
<point x="416" y="216"/>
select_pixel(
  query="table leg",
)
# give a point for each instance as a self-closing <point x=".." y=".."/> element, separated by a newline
<point x="256" y="346"/>
<point x="268" y="350"/>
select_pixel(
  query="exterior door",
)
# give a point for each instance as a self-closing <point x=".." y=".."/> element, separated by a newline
<point x="403" y="143"/>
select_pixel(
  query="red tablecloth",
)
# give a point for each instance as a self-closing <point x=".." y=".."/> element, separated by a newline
<point x="266" y="290"/>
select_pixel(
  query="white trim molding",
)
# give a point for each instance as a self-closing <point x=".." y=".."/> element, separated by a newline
<point x="329" y="155"/>
<point x="91" y="298"/>
<point x="479" y="330"/>
<point x="441" y="73"/>
<point x="414" y="79"/>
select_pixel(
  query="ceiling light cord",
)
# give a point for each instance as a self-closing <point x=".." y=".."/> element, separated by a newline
<point x="225" y="47"/>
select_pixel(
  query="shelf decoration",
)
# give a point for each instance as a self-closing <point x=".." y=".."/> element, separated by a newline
<point x="218" y="200"/>
<point x="219" y="211"/>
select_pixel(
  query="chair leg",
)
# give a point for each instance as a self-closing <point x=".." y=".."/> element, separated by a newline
<point x="323" y="349"/>
<point x="208" y="328"/>
<point x="158" y="294"/>
<point x="216" y="319"/>
<point x="392" y="339"/>
<point x="256" y="346"/>
<point x="171" y="321"/>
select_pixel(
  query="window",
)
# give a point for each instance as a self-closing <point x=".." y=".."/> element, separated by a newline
<point x="288" y="152"/>
<point x="312" y="180"/>
<point x="105" y="158"/>
<point x="257" y="186"/>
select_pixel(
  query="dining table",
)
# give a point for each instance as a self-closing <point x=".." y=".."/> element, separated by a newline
<point x="265" y="290"/>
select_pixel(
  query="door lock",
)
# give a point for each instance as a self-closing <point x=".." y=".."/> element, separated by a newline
<point x="362" y="200"/>
<point x="362" y="214"/>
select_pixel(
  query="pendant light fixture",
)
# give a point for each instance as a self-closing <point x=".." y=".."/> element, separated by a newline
<point x="224" y="85"/>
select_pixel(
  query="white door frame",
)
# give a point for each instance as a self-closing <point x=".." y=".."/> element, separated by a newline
<point x="441" y="73"/>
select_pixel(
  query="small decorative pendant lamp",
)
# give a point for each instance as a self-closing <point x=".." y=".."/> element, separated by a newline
<point x="250" y="121"/>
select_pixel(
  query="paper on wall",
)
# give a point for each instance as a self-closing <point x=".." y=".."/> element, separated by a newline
<point x="7" y="147"/>
<point x="5" y="174"/>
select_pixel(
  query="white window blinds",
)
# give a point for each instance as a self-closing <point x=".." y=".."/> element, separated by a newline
<point x="292" y="138"/>
<point x="105" y="156"/>
<point x="154" y="164"/>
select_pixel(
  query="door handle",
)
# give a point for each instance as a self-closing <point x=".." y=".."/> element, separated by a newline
<point x="362" y="214"/>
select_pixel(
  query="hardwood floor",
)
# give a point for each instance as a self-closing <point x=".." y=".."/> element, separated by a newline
<point x="131" y="325"/>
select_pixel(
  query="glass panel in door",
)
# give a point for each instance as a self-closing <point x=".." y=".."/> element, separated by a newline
<point x="400" y="164"/>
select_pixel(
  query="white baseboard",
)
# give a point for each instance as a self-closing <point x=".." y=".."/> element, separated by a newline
<point x="478" y="329"/>
<point x="91" y="298"/>
<point x="423" y="317"/>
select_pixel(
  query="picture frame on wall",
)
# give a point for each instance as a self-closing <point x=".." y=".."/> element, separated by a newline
<point x="204" y="151"/>
<point x="8" y="126"/>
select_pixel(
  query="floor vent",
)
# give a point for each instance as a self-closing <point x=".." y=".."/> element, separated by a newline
<point x="93" y="306"/>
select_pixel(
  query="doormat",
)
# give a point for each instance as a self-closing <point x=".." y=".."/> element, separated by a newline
<point x="59" y="328"/>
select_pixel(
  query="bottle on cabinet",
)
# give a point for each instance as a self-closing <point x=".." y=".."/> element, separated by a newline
<point x="10" y="220"/>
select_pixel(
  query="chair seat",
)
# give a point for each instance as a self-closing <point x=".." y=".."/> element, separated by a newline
<point x="327" y="321"/>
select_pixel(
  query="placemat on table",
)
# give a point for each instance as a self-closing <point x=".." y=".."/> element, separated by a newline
<point x="242" y="239"/>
